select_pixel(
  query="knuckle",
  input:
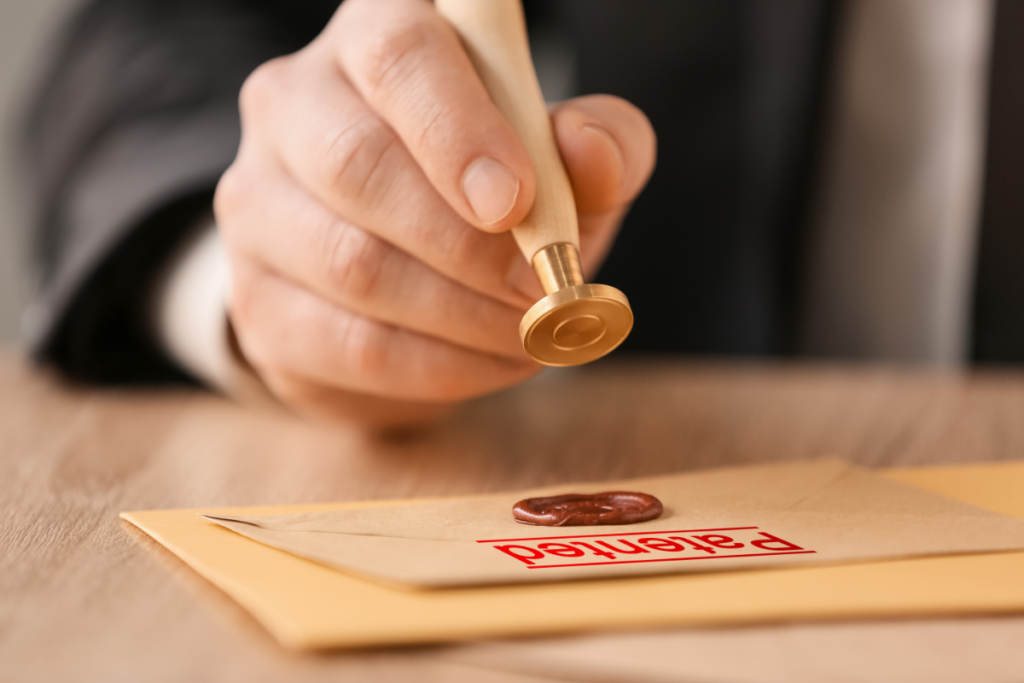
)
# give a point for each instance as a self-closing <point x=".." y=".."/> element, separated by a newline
<point x="392" y="54"/>
<point x="358" y="158"/>
<point x="355" y="260"/>
<point x="438" y="123"/>
<point x="243" y="304"/>
<point x="262" y="86"/>
<point x="290" y="390"/>
<point x="304" y="397"/>
<point x="464" y="248"/>
<point x="365" y="347"/>
<point x="230" y="195"/>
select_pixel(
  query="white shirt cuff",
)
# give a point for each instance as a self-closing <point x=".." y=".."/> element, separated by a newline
<point x="191" y="323"/>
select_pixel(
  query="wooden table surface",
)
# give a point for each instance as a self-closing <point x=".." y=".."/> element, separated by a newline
<point x="85" y="597"/>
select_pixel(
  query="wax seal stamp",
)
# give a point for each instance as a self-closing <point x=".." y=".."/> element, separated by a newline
<point x="588" y="509"/>
<point x="575" y="322"/>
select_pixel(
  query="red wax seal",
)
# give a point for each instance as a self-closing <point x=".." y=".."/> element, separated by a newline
<point x="580" y="509"/>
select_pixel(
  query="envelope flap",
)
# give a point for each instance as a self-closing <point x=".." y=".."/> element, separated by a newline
<point x="825" y="511"/>
<point x="692" y="500"/>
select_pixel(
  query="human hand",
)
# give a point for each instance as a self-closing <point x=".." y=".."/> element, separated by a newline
<point x="366" y="217"/>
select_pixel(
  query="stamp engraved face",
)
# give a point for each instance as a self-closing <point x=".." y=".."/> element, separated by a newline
<point x="578" y="332"/>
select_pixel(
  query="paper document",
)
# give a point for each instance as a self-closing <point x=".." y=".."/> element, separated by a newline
<point x="733" y="518"/>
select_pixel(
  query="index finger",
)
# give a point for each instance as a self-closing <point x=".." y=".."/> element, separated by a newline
<point x="408" y="64"/>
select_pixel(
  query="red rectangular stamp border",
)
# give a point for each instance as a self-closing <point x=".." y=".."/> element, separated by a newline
<point x="629" y="533"/>
<point x="674" y="559"/>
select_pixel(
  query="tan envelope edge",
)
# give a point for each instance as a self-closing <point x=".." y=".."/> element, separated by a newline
<point x="308" y="606"/>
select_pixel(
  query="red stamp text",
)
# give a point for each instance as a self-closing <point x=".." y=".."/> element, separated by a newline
<point x="644" y="546"/>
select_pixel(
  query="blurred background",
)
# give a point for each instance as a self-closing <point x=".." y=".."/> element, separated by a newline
<point x="26" y="27"/>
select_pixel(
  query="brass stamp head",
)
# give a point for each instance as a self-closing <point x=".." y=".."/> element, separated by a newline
<point x="575" y="323"/>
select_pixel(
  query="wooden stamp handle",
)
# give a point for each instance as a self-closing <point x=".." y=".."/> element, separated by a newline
<point x="494" y="35"/>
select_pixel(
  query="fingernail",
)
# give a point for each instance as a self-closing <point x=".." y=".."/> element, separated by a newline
<point x="491" y="189"/>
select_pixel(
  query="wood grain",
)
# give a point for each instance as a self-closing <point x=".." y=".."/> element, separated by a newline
<point x="83" y="597"/>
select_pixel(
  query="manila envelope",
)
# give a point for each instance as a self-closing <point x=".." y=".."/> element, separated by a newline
<point x="307" y="605"/>
<point x="733" y="518"/>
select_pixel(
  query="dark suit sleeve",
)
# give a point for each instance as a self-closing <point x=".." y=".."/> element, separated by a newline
<point x="128" y="133"/>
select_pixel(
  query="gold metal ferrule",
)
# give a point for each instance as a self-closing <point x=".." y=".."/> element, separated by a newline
<point x="558" y="266"/>
<point x="575" y="322"/>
